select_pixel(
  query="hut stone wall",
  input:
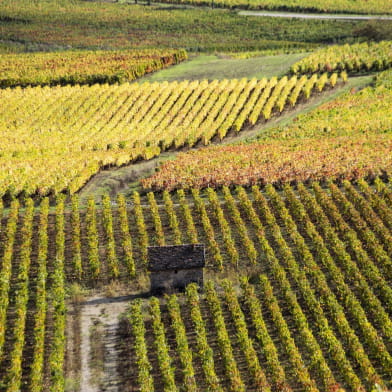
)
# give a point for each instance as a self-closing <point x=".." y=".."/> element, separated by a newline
<point x="173" y="267"/>
<point x="174" y="280"/>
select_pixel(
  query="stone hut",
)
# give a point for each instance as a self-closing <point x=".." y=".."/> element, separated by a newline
<point x="173" y="267"/>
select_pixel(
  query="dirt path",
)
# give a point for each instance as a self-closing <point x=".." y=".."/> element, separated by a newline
<point x="121" y="179"/>
<point x="313" y="16"/>
<point x="87" y="315"/>
<point x="99" y="325"/>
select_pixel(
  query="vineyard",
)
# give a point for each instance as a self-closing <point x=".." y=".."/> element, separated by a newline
<point x="347" y="6"/>
<point x="55" y="139"/>
<point x="263" y="162"/>
<point x="63" y="25"/>
<point x="348" y="137"/>
<point x="318" y="159"/>
<point x="317" y="317"/>
<point x="364" y="57"/>
<point x="83" y="67"/>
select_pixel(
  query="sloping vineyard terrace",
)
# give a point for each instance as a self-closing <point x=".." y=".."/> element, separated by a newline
<point x="344" y="6"/>
<point x="83" y="67"/>
<point x="349" y="137"/>
<point x="103" y="25"/>
<point x="343" y="157"/>
<point x="363" y="57"/>
<point x="55" y="139"/>
<point x="254" y="339"/>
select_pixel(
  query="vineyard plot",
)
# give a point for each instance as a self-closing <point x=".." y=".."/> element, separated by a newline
<point x="319" y="316"/>
<point x="83" y="67"/>
<point x="230" y="339"/>
<point x="363" y="57"/>
<point x="56" y="139"/>
<point x="346" y="138"/>
<point x="319" y="6"/>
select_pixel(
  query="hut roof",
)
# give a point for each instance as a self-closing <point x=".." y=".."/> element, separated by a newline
<point x="176" y="257"/>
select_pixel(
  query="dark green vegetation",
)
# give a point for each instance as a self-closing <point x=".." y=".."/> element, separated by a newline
<point x="56" y="25"/>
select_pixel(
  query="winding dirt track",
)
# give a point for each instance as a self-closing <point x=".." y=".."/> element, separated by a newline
<point x="313" y="16"/>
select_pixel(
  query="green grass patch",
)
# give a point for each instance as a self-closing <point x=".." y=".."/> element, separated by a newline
<point x="215" y="67"/>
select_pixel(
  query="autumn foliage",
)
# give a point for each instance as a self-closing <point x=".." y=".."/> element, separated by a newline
<point x="347" y="138"/>
<point x="83" y="67"/>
